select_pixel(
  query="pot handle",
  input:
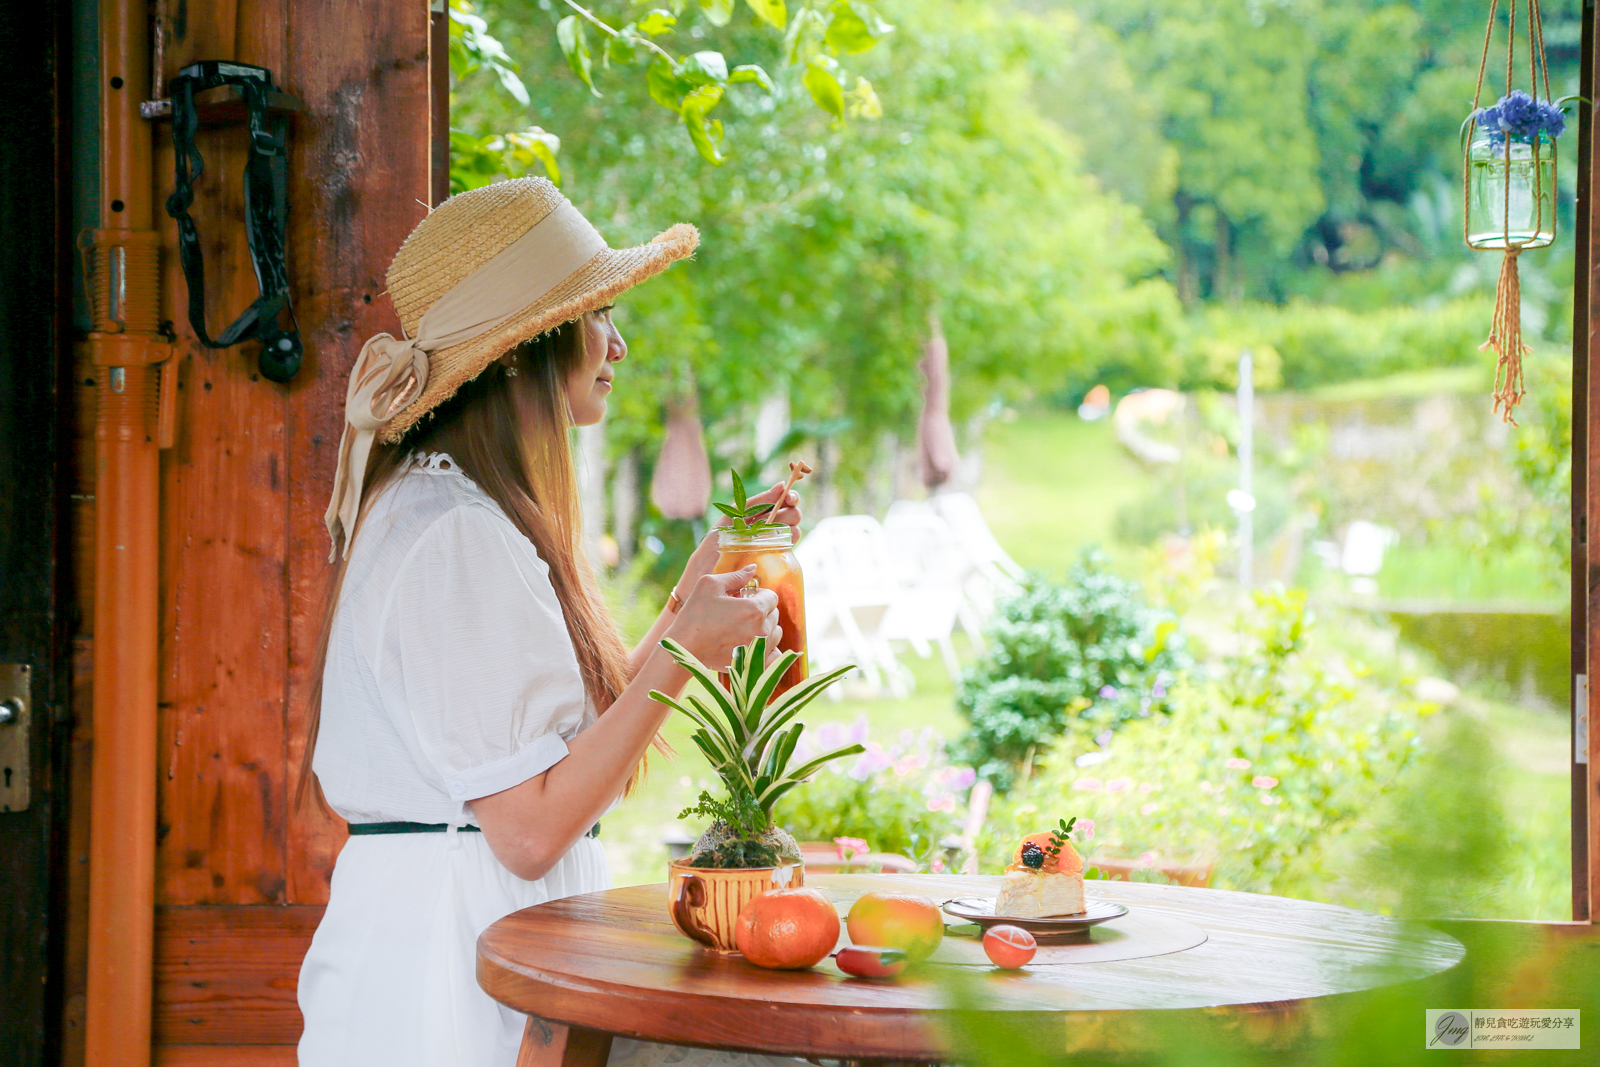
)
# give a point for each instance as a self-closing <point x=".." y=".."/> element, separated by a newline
<point x="691" y="897"/>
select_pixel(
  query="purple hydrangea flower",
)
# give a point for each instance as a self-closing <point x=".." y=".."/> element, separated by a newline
<point x="1520" y="117"/>
<point x="1551" y="120"/>
<point x="1109" y="692"/>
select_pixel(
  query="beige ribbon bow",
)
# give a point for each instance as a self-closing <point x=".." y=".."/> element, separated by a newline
<point x="389" y="374"/>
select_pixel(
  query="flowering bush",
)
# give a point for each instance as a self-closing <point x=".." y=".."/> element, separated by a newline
<point x="1521" y="117"/>
<point x="1254" y="769"/>
<point x="1088" y="652"/>
<point x="903" y="798"/>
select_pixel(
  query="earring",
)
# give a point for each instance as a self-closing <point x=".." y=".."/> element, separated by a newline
<point x="511" y="371"/>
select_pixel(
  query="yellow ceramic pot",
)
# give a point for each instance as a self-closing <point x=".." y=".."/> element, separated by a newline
<point x="704" y="902"/>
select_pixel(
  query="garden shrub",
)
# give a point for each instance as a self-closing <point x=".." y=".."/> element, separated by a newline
<point x="905" y="798"/>
<point x="1086" y="651"/>
<point x="1255" y="768"/>
<point x="1318" y="344"/>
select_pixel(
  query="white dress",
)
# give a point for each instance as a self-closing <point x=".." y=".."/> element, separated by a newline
<point x="450" y="676"/>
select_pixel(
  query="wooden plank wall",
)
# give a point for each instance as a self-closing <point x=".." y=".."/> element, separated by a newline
<point x="241" y="873"/>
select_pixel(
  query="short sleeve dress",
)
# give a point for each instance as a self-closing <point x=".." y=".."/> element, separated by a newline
<point x="450" y="676"/>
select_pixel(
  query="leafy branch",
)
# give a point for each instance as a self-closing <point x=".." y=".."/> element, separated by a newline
<point x="691" y="87"/>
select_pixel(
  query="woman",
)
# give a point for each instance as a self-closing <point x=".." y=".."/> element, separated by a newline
<point x="478" y="712"/>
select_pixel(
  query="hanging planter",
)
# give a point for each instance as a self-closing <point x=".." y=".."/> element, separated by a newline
<point x="1509" y="188"/>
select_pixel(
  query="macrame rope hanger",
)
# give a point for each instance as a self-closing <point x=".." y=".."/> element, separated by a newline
<point x="1505" y="330"/>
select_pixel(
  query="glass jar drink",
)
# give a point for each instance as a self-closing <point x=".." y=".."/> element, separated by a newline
<point x="772" y="553"/>
<point x="1511" y="192"/>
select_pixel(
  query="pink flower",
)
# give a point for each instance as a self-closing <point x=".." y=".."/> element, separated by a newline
<point x="1236" y="764"/>
<point x="1262" y="781"/>
<point x="1145" y="787"/>
<point x="1207" y="787"/>
<point x="944" y="803"/>
<point x="937" y="866"/>
<point x="849" y="847"/>
<point x="1084" y="827"/>
<point x="906" y="765"/>
<point x="1088" y="785"/>
<point x="1148" y="808"/>
<point x="1119" y="785"/>
<point x="1148" y="859"/>
<point x="870" y="762"/>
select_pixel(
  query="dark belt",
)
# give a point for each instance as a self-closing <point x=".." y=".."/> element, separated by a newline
<point x="359" y="828"/>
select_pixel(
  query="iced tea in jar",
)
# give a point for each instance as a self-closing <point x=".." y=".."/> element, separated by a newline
<point x="771" y="551"/>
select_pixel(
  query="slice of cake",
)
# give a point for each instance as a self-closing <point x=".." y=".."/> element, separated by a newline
<point x="1045" y="878"/>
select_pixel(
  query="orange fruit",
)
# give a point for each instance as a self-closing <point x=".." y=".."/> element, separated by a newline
<point x="1009" y="946"/>
<point x="787" y="929"/>
<point x="907" y="921"/>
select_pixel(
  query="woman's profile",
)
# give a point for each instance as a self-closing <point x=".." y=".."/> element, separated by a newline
<point x="477" y="711"/>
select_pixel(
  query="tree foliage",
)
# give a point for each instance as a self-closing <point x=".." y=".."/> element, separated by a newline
<point x="826" y="245"/>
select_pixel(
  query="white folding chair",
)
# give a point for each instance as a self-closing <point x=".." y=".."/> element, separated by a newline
<point x="931" y="566"/>
<point x="994" y="573"/>
<point x="848" y="576"/>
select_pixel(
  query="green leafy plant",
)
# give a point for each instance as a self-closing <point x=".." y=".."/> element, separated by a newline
<point x="1256" y="769"/>
<point x="1089" y="651"/>
<point x="749" y="743"/>
<point x="741" y="511"/>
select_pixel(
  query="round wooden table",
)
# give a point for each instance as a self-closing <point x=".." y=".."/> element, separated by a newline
<point x="587" y="968"/>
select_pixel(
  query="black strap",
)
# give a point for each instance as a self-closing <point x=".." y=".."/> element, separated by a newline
<point x="357" y="829"/>
<point x="266" y="213"/>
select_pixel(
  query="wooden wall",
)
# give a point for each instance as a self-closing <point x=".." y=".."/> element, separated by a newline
<point x="241" y="874"/>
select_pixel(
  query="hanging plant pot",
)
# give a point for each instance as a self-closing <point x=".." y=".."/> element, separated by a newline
<point x="1509" y="186"/>
<point x="1511" y="192"/>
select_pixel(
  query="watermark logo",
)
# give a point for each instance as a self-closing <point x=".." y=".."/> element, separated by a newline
<point x="1450" y="1029"/>
<point x="1508" y="1028"/>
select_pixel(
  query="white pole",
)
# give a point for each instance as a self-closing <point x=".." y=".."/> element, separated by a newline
<point x="1247" y="419"/>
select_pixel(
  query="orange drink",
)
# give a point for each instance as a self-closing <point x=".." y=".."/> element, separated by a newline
<point x="772" y="553"/>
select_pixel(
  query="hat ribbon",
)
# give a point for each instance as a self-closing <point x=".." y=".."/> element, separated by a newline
<point x="391" y="373"/>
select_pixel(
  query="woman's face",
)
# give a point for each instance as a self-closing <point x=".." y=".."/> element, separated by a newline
<point x="589" y="384"/>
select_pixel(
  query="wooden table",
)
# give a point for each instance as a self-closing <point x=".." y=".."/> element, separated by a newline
<point x="590" y="967"/>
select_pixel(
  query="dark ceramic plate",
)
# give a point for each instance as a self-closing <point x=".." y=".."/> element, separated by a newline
<point x="1054" y="930"/>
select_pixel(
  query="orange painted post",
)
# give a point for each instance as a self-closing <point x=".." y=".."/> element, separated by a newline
<point x="128" y="352"/>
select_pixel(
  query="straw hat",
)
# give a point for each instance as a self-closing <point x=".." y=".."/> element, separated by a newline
<point x="468" y="230"/>
<point x="481" y="274"/>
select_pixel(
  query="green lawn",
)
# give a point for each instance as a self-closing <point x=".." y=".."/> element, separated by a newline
<point x="1052" y="484"/>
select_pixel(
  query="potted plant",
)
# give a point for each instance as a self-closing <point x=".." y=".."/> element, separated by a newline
<point x="749" y="743"/>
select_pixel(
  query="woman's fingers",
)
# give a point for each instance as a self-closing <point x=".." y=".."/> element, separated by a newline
<point x="727" y="584"/>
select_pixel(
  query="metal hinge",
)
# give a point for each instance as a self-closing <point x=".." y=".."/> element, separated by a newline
<point x="16" y="713"/>
<point x="1580" y="718"/>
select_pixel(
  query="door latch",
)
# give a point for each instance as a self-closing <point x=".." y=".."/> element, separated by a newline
<point x="16" y="714"/>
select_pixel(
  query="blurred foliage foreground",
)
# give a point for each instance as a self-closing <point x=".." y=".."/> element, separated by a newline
<point x="1507" y="966"/>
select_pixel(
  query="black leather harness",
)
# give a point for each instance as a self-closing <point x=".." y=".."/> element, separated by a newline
<point x="266" y="213"/>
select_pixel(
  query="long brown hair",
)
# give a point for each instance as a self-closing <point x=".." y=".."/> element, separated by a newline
<point x="509" y="431"/>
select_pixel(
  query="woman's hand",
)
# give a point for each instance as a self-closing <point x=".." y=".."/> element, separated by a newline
<point x="705" y="554"/>
<point x="720" y="615"/>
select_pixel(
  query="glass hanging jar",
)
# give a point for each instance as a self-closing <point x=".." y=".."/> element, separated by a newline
<point x="1511" y="197"/>
<point x="772" y="552"/>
